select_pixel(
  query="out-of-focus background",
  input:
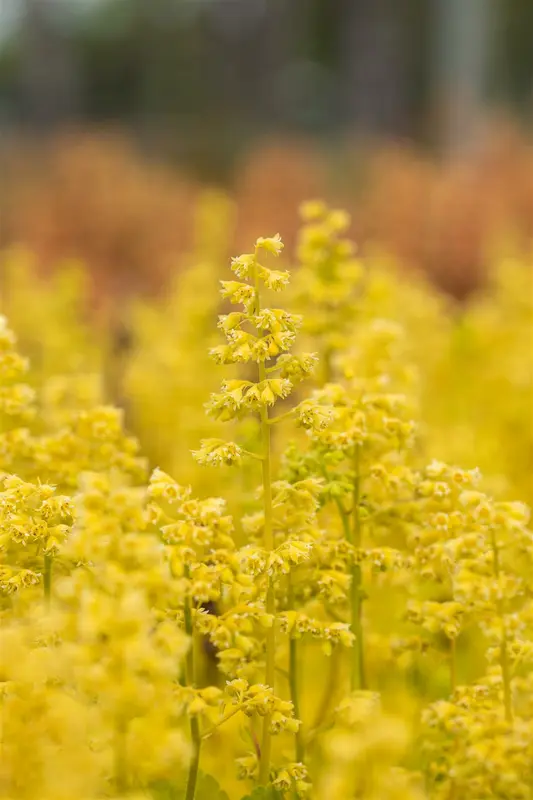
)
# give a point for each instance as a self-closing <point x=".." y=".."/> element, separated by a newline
<point x="414" y="115"/>
<point x="144" y="142"/>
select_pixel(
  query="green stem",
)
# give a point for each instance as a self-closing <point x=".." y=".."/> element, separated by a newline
<point x="281" y="417"/>
<point x="326" y="365"/>
<point x="353" y="536"/>
<point x="293" y="680"/>
<point x="294" y="685"/>
<point x="121" y="760"/>
<point x="504" y="654"/>
<point x="252" y="455"/>
<point x="453" y="665"/>
<point x="268" y="544"/>
<point x="358" y="677"/>
<point x="47" y="579"/>
<point x="224" y="719"/>
<point x="195" y="763"/>
<point x="329" y="689"/>
<point x="266" y="739"/>
<point x="190" y="678"/>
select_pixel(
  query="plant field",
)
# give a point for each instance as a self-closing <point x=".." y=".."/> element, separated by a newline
<point x="266" y="536"/>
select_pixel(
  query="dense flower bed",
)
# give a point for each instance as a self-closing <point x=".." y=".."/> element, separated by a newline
<point x="327" y="598"/>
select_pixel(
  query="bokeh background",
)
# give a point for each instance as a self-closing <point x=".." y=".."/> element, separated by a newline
<point x="116" y="114"/>
<point x="144" y="142"/>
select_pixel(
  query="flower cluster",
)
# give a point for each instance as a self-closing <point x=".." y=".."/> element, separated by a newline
<point x="34" y="524"/>
<point x="329" y="281"/>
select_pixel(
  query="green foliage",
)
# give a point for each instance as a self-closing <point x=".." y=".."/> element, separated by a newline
<point x="207" y="788"/>
<point x="262" y="793"/>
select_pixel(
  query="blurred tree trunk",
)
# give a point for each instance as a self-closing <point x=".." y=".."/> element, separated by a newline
<point x="47" y="67"/>
<point x="463" y="50"/>
<point x="252" y="41"/>
<point x="374" y="61"/>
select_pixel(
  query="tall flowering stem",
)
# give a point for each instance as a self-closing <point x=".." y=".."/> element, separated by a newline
<point x="453" y="664"/>
<point x="358" y="677"/>
<point x="504" y="655"/>
<point x="47" y="578"/>
<point x="329" y="283"/>
<point x="361" y="382"/>
<point x="359" y="453"/>
<point x="491" y="551"/>
<point x="294" y="683"/>
<point x="190" y="679"/>
<point x="268" y="544"/>
<point x="352" y="533"/>
<point x="263" y="336"/>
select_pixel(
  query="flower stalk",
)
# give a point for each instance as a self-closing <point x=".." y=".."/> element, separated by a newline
<point x="294" y="685"/>
<point x="504" y="654"/>
<point x="47" y="579"/>
<point x="358" y="676"/>
<point x="453" y="664"/>
<point x="268" y="544"/>
<point x="120" y="756"/>
<point x="190" y="678"/>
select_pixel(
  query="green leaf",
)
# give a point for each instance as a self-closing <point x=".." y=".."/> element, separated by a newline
<point x="207" y="788"/>
<point x="166" y="790"/>
<point x="262" y="793"/>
